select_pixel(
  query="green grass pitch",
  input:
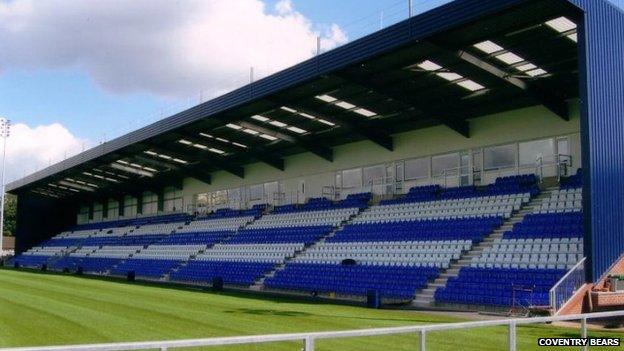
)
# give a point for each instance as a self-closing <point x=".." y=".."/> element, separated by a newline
<point x="49" y="309"/>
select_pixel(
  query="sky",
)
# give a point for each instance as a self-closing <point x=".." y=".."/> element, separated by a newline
<point x="75" y="73"/>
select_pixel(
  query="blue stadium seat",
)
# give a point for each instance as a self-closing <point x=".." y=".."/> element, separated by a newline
<point x="390" y="282"/>
<point x="233" y="273"/>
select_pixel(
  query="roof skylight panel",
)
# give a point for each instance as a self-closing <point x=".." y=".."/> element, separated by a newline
<point x="450" y="76"/>
<point x="268" y="137"/>
<point x="306" y="115"/>
<point x="564" y="25"/>
<point x="344" y="105"/>
<point x="297" y="130"/>
<point x="512" y="59"/>
<point x="326" y="122"/>
<point x="111" y="173"/>
<point x="216" y="151"/>
<point x="561" y="24"/>
<point x="326" y="98"/>
<point x="133" y="170"/>
<point x="260" y="118"/>
<point x="489" y="47"/>
<point x="364" y="112"/>
<point x="278" y="124"/>
<point x="429" y="66"/>
<point x="223" y="140"/>
<point x="288" y="109"/>
<point x="251" y="132"/>
<point x="470" y="85"/>
<point x="509" y="58"/>
<point x="536" y="72"/>
<point x="200" y="146"/>
<point x="166" y="157"/>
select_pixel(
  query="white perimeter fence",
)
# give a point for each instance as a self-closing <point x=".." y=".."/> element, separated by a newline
<point x="308" y="339"/>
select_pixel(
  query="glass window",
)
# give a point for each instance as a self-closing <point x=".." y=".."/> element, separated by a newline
<point x="172" y="193"/>
<point x="352" y="178"/>
<point x="448" y="163"/>
<point x="399" y="171"/>
<point x="150" y="203"/>
<point x="98" y="211"/>
<point x="256" y="192"/>
<point x="201" y="202"/>
<point x="532" y="150"/>
<point x="503" y="156"/>
<point x="129" y="200"/>
<point x="563" y="148"/>
<point x="271" y="190"/>
<point x="417" y="168"/>
<point x="173" y="201"/>
<point x="373" y="174"/>
<point x="234" y="195"/>
<point x="113" y="209"/>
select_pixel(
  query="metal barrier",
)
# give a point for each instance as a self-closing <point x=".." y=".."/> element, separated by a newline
<point x="567" y="286"/>
<point x="309" y="339"/>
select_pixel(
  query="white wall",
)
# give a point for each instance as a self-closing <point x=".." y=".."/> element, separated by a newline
<point x="510" y="127"/>
<point x="514" y="126"/>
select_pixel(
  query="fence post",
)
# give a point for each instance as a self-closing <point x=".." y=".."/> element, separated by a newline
<point x="584" y="331"/>
<point x="423" y="340"/>
<point x="512" y="336"/>
<point x="309" y="343"/>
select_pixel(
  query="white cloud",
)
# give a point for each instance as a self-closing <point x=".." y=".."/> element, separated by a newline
<point x="30" y="149"/>
<point x="170" y="48"/>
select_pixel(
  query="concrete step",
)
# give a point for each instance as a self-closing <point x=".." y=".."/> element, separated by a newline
<point x="422" y="303"/>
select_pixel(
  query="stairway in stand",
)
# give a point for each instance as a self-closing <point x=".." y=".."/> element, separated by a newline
<point x="259" y="284"/>
<point x="165" y="277"/>
<point x="425" y="297"/>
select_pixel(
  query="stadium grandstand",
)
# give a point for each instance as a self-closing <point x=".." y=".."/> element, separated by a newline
<point x="469" y="157"/>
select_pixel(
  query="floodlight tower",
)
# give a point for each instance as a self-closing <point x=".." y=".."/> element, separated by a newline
<point x="5" y="132"/>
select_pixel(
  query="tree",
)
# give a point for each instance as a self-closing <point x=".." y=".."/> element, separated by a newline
<point x="10" y="213"/>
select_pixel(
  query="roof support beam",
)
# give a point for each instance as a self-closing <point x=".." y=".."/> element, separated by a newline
<point x="47" y="192"/>
<point x="57" y="191"/>
<point x="203" y="176"/>
<point x="454" y="122"/>
<point x="150" y="162"/>
<point x="256" y="152"/>
<point x="203" y="162"/>
<point x="460" y="126"/>
<point x="319" y="150"/>
<point x="377" y="136"/>
<point x="554" y="103"/>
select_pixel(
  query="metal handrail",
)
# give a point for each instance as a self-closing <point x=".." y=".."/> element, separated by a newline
<point x="556" y="305"/>
<point x="309" y="339"/>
